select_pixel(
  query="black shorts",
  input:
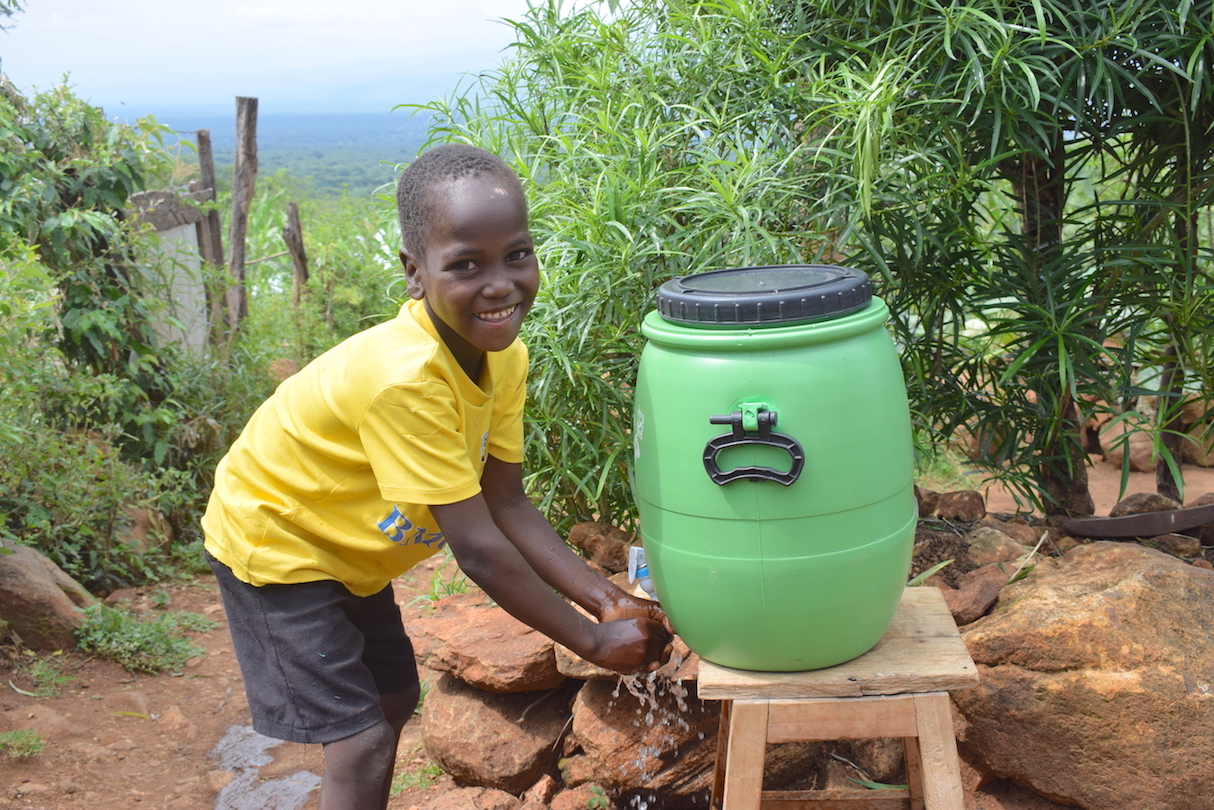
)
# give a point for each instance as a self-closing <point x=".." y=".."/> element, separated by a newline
<point x="314" y="657"/>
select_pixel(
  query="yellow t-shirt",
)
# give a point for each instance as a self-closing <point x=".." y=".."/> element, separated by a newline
<point x="333" y="476"/>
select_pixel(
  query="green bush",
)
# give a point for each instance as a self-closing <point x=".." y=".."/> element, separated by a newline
<point x="648" y="150"/>
<point x="1038" y="222"/>
<point x="71" y="495"/>
<point x="66" y="487"/>
<point x="141" y="643"/>
<point x="96" y="419"/>
<point x="351" y="245"/>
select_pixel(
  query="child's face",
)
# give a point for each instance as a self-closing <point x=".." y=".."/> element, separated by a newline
<point x="479" y="275"/>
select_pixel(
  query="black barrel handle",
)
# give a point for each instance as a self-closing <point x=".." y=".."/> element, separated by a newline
<point x="739" y="437"/>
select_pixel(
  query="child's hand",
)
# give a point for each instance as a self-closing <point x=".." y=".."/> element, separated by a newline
<point x="623" y="605"/>
<point x="631" y="645"/>
<point x="620" y="607"/>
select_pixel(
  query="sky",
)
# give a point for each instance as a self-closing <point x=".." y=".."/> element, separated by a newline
<point x="135" y="57"/>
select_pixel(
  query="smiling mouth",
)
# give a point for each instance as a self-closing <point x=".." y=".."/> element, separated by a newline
<point x="497" y="315"/>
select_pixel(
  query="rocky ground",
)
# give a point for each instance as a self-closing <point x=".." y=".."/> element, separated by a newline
<point x="181" y="740"/>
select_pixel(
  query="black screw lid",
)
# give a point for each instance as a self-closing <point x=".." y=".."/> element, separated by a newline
<point x="765" y="296"/>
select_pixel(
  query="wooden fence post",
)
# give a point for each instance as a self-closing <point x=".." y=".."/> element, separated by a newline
<point x="244" y="181"/>
<point x="210" y="233"/>
<point x="292" y="234"/>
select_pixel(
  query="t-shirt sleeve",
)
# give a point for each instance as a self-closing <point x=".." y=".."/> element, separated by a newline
<point x="506" y="432"/>
<point x="414" y="446"/>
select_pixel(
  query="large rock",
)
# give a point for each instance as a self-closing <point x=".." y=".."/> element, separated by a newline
<point x="966" y="506"/>
<point x="483" y="645"/>
<point x="1098" y="680"/>
<point x="495" y="740"/>
<point x="602" y="544"/>
<point x="655" y="745"/>
<point x="659" y="747"/>
<point x="39" y="602"/>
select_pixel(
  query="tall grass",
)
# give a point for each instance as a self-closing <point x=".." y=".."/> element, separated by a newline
<point x="945" y="150"/>
<point x="647" y="154"/>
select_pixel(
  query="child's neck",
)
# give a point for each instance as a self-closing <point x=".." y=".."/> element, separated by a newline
<point x="469" y="358"/>
<point x="474" y="372"/>
<point x="471" y="364"/>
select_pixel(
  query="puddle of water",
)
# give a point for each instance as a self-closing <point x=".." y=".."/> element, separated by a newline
<point x="242" y="747"/>
<point x="245" y="792"/>
<point x="244" y="751"/>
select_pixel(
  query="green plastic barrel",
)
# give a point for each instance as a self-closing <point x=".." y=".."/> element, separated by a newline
<point x="773" y="465"/>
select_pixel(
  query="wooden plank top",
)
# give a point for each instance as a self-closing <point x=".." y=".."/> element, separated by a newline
<point x="922" y="651"/>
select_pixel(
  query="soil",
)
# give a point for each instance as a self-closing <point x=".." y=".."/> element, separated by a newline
<point x="120" y="740"/>
<point x="116" y="739"/>
<point x="1104" y="482"/>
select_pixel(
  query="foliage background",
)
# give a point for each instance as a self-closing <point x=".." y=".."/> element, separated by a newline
<point x="1024" y="182"/>
<point x="1028" y="184"/>
<point x="101" y="425"/>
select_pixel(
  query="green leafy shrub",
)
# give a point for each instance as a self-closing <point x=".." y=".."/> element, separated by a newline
<point x="353" y="269"/>
<point x="71" y="495"/>
<point x="141" y="643"/>
<point x="1034" y="266"/>
<point x="96" y="419"/>
<point x="653" y="143"/>
<point x="67" y="173"/>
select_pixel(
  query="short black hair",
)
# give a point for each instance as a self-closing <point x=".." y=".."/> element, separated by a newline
<point x="442" y="164"/>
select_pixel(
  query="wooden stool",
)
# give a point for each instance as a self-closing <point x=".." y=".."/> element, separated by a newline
<point x="897" y="689"/>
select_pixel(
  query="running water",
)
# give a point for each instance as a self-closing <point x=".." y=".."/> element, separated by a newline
<point x="662" y="706"/>
<point x="243" y="750"/>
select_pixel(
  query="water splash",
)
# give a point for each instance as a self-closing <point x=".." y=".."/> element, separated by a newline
<point x="243" y="750"/>
<point x="662" y="711"/>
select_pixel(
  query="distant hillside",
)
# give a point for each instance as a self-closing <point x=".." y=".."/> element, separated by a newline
<point x="357" y="152"/>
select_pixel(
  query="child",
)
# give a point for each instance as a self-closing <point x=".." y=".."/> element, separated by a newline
<point x="404" y="437"/>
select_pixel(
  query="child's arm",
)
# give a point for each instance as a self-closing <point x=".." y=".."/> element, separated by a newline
<point x="529" y="531"/>
<point x="507" y="547"/>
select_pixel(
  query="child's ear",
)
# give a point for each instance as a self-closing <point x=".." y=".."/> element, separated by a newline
<point x="413" y="283"/>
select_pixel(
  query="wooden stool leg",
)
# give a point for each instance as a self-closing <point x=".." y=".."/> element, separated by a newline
<point x="914" y="772"/>
<point x="718" y="770"/>
<point x="938" y="752"/>
<point x="745" y="754"/>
